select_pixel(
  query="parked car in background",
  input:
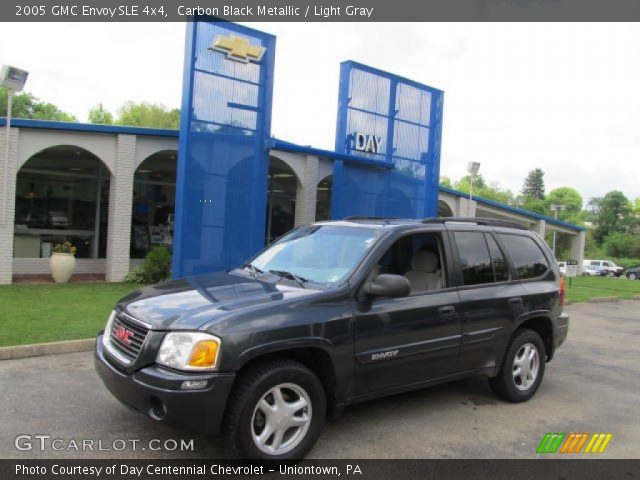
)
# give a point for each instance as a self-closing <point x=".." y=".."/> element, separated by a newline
<point x="562" y="266"/>
<point x="58" y="220"/>
<point x="601" y="268"/>
<point x="633" y="273"/>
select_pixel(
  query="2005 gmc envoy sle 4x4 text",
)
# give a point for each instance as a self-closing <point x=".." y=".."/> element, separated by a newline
<point x="332" y="314"/>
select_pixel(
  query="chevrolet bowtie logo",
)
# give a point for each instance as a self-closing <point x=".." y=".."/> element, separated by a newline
<point x="237" y="48"/>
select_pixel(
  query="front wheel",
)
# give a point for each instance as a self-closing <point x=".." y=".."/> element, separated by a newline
<point x="633" y="276"/>
<point x="276" y="412"/>
<point x="522" y="368"/>
<point x="612" y="274"/>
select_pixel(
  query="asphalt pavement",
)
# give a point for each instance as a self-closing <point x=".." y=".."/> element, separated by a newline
<point x="592" y="385"/>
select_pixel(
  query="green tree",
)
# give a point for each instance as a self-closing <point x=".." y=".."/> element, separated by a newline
<point x="535" y="205"/>
<point x="100" y="115"/>
<point x="147" y="114"/>
<point x="570" y="198"/>
<point x="622" y="245"/>
<point x="25" y="105"/>
<point x="613" y="213"/>
<point x="446" y="182"/>
<point x="534" y="184"/>
<point x="481" y="188"/>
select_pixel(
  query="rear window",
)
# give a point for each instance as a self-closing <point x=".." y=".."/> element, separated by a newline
<point x="526" y="255"/>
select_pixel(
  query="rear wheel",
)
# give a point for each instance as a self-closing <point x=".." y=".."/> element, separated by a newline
<point x="277" y="411"/>
<point x="522" y="368"/>
<point x="633" y="276"/>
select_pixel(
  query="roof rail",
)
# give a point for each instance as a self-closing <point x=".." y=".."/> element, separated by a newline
<point x="358" y="217"/>
<point x="489" y="222"/>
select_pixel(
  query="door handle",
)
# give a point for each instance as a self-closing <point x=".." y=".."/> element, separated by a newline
<point x="516" y="301"/>
<point x="447" y="310"/>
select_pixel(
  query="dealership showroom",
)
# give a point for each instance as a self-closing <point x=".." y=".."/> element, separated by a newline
<point x="111" y="191"/>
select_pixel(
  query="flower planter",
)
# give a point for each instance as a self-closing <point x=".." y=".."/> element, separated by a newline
<point x="62" y="265"/>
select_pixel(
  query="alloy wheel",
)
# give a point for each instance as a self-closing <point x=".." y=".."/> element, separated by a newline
<point x="526" y="365"/>
<point x="281" y="419"/>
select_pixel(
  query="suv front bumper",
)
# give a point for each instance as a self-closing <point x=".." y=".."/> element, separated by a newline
<point x="156" y="392"/>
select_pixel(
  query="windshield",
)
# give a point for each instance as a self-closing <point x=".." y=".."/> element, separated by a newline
<point x="318" y="253"/>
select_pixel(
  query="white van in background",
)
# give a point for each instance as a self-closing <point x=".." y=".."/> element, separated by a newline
<point x="601" y="268"/>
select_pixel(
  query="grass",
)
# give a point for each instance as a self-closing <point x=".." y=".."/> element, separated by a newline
<point x="584" y="288"/>
<point x="49" y="313"/>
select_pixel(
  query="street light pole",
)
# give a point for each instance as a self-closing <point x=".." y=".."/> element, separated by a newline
<point x="555" y="208"/>
<point x="554" y="234"/>
<point x="472" y="169"/>
<point x="7" y="132"/>
<point x="13" y="79"/>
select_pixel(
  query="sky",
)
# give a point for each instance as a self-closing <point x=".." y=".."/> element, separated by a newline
<point x="561" y="97"/>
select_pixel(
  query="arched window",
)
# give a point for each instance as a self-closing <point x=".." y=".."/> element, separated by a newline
<point x="444" y="210"/>
<point x="323" y="199"/>
<point x="281" y="199"/>
<point x="154" y="193"/>
<point x="62" y="193"/>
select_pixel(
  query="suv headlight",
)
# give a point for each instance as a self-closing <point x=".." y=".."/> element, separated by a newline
<point x="194" y="351"/>
<point x="107" y="329"/>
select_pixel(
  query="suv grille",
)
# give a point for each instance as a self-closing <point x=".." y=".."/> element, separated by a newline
<point x="127" y="337"/>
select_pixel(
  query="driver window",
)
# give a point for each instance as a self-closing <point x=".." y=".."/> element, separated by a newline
<point x="417" y="257"/>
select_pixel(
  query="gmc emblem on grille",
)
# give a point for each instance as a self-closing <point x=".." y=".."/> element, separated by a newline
<point x="123" y="334"/>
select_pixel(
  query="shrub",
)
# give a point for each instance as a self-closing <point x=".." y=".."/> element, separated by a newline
<point x="156" y="267"/>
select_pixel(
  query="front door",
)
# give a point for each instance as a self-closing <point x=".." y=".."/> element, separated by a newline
<point x="403" y="341"/>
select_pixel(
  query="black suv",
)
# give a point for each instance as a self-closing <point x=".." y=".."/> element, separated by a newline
<point x="332" y="314"/>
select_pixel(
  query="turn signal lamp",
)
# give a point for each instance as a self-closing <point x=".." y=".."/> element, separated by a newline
<point x="204" y="354"/>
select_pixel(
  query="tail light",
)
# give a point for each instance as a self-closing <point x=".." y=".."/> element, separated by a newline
<point x="563" y="291"/>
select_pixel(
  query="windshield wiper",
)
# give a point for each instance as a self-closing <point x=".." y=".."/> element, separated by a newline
<point x="255" y="271"/>
<point x="290" y="276"/>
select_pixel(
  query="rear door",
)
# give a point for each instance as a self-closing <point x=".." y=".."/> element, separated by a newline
<point x="490" y="297"/>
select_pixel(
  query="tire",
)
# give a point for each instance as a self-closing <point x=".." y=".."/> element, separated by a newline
<point x="514" y="388"/>
<point x="612" y="274"/>
<point x="255" y="403"/>
<point x="633" y="276"/>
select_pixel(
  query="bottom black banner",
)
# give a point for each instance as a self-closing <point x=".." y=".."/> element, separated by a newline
<point x="552" y="469"/>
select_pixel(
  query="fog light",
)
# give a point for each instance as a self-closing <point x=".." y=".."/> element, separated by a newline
<point x="194" y="384"/>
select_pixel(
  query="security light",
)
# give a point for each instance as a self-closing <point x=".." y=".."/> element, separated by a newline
<point x="13" y="78"/>
<point x="473" y="168"/>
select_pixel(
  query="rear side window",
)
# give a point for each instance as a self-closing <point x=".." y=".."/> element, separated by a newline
<point x="474" y="258"/>
<point x="500" y="268"/>
<point x="528" y="259"/>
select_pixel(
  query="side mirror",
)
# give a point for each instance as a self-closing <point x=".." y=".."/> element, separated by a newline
<point x="388" y="285"/>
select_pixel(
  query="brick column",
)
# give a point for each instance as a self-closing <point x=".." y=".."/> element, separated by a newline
<point x="466" y="207"/>
<point x="307" y="192"/>
<point x="577" y="249"/>
<point x="120" y="204"/>
<point x="7" y="227"/>
<point x="540" y="228"/>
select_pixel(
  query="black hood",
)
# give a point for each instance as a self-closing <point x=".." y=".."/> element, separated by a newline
<point x="191" y="302"/>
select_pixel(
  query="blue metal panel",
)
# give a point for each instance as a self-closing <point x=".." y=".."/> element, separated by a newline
<point x="407" y="116"/>
<point x="222" y="162"/>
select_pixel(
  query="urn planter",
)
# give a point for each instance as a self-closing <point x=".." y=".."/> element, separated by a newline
<point x="62" y="265"/>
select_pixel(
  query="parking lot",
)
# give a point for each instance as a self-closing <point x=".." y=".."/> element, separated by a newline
<point x="591" y="386"/>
